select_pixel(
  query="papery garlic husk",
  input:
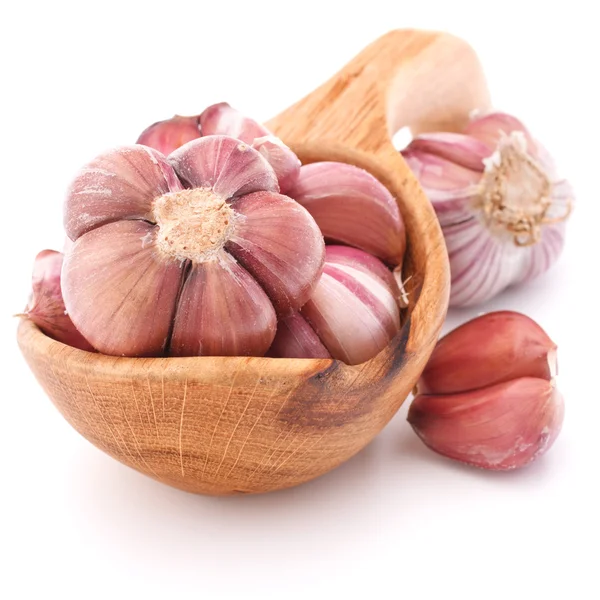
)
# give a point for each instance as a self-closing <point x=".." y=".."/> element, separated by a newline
<point x="352" y="207"/>
<point x="490" y="349"/>
<point x="166" y="136"/>
<point x="499" y="200"/>
<point x="46" y="307"/>
<point x="193" y="255"/>
<point x="222" y="119"/>
<point x="500" y="427"/>
<point x="353" y="309"/>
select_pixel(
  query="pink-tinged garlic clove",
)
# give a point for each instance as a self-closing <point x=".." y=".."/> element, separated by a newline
<point x="352" y="207"/>
<point x="459" y="149"/>
<point x="119" y="184"/>
<point x="222" y="119"/>
<point x="279" y="243"/>
<point x="222" y="311"/>
<point x="346" y="256"/>
<point x="46" y="307"/>
<point x="225" y="165"/>
<point x="354" y="313"/>
<point x="284" y="162"/>
<point x="167" y="136"/>
<point x="120" y="290"/>
<point x="492" y="127"/>
<point x="493" y="348"/>
<point x="295" y="338"/>
<point x="501" y="427"/>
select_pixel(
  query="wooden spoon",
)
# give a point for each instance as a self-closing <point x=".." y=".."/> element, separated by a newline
<point x="218" y="425"/>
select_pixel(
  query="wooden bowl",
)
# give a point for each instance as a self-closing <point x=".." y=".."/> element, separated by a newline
<point x="216" y="425"/>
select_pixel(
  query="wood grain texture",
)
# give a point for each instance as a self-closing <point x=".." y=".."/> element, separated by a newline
<point x="217" y="425"/>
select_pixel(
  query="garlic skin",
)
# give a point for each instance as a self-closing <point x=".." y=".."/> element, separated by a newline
<point x="499" y="200"/>
<point x="295" y="338"/>
<point x="494" y="348"/>
<point x="196" y="254"/>
<point x="167" y="136"/>
<point x="352" y="207"/>
<point x="46" y="307"/>
<point x="501" y="427"/>
<point x="488" y="395"/>
<point x="222" y="119"/>
<point x="353" y="309"/>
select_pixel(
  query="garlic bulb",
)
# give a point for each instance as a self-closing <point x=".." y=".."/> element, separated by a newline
<point x="352" y="314"/>
<point x="499" y="201"/>
<point x="46" y="307"/>
<point x="167" y="136"/>
<point x="352" y="207"/>
<point x="191" y="255"/>
<point x="488" y="396"/>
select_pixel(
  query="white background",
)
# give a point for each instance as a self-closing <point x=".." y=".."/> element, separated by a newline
<point x="397" y="520"/>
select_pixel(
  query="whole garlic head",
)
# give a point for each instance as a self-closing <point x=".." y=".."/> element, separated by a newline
<point x="196" y="254"/>
<point x="499" y="200"/>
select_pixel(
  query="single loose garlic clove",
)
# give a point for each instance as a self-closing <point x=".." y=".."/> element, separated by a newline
<point x="46" y="307"/>
<point x="500" y="427"/>
<point x="167" y="136"/>
<point x="502" y="210"/>
<point x="494" y="348"/>
<point x="295" y="338"/>
<point x="222" y="119"/>
<point x="155" y="248"/>
<point x="353" y="207"/>
<point x="353" y="309"/>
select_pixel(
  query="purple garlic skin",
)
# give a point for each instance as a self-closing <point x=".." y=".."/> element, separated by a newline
<point x="499" y="201"/>
<point x="352" y="207"/>
<point x="194" y="254"/>
<point x="46" y="307"/>
<point x="221" y="119"/>
<point x="351" y="315"/>
<point x="167" y="136"/>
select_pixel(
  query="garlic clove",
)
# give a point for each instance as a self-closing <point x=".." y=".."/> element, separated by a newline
<point x="352" y="207"/>
<point x="295" y="338"/>
<point x="491" y="127"/>
<point x="120" y="290"/>
<point x="225" y="165"/>
<point x="266" y="241"/>
<point x="119" y="184"/>
<point x="167" y="136"/>
<point x="222" y="311"/>
<point x="354" y="313"/>
<point x="504" y="426"/>
<point x="346" y="256"/>
<point x="222" y="119"/>
<point x="284" y="162"/>
<point x="46" y="307"/>
<point x="490" y="349"/>
<point x="462" y="150"/>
